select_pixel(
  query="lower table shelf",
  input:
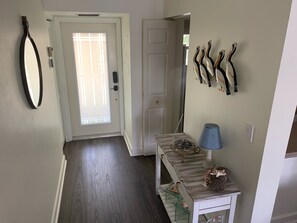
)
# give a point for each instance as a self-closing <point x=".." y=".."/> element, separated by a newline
<point x="169" y="204"/>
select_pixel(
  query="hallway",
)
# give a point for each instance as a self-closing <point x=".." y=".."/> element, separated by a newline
<point x="104" y="184"/>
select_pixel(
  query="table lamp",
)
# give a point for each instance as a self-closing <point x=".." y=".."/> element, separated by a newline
<point x="210" y="139"/>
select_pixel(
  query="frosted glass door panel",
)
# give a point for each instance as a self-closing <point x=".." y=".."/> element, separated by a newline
<point x="91" y="62"/>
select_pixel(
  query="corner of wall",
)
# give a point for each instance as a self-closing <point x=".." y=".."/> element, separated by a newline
<point x="133" y="151"/>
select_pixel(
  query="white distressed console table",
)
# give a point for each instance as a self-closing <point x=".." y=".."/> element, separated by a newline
<point x="189" y="174"/>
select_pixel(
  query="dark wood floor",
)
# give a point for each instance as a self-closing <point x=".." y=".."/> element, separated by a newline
<point x="104" y="184"/>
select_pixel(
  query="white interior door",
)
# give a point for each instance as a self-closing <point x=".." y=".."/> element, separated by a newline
<point x="158" y="68"/>
<point x="90" y="60"/>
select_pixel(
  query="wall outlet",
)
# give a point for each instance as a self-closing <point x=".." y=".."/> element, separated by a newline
<point x="250" y="129"/>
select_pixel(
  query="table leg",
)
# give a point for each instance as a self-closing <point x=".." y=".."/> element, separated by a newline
<point x="232" y="208"/>
<point x="158" y="170"/>
<point x="194" y="216"/>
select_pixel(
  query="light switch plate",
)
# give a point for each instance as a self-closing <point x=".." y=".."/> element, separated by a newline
<point x="250" y="129"/>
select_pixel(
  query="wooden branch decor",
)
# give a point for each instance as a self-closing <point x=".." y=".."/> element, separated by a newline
<point x="209" y="72"/>
<point x="230" y="70"/>
<point x="197" y="66"/>
<point x="208" y="60"/>
<point x="203" y="71"/>
<point x="220" y="73"/>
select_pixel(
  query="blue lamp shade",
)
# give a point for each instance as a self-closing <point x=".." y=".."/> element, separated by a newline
<point x="211" y="138"/>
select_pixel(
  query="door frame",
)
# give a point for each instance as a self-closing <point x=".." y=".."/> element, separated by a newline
<point x="149" y="148"/>
<point x="60" y="67"/>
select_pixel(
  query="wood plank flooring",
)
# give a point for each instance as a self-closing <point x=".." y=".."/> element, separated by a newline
<point x="104" y="184"/>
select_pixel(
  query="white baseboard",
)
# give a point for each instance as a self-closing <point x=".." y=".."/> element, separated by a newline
<point x="128" y="142"/>
<point x="77" y="138"/>
<point x="150" y="152"/>
<point x="132" y="151"/>
<point x="58" y="197"/>
<point x="137" y="152"/>
<point x="285" y="218"/>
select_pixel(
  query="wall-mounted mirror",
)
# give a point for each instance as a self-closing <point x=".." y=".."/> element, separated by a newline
<point x="30" y="67"/>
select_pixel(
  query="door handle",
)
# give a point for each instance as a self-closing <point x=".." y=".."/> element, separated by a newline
<point x="115" y="88"/>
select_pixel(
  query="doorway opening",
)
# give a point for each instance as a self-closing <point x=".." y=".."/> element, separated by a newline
<point x="180" y="74"/>
<point x="292" y="144"/>
<point x="164" y="78"/>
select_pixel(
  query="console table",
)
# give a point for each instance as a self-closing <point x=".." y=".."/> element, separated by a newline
<point x="189" y="173"/>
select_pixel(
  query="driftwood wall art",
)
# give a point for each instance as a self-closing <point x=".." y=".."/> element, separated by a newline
<point x="230" y="70"/>
<point x="209" y="72"/>
<point x="197" y="65"/>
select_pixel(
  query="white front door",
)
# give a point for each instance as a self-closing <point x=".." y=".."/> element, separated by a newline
<point x="91" y="69"/>
<point x="158" y="68"/>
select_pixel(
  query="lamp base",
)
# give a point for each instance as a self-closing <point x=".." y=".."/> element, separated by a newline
<point x="208" y="162"/>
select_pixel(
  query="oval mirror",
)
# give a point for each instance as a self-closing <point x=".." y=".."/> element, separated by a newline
<point x="30" y="67"/>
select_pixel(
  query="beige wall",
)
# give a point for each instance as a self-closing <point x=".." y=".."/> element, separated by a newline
<point x="138" y="10"/>
<point x="31" y="140"/>
<point x="259" y="28"/>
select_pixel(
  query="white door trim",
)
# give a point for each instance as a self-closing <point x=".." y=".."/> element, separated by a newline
<point x="60" y="67"/>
